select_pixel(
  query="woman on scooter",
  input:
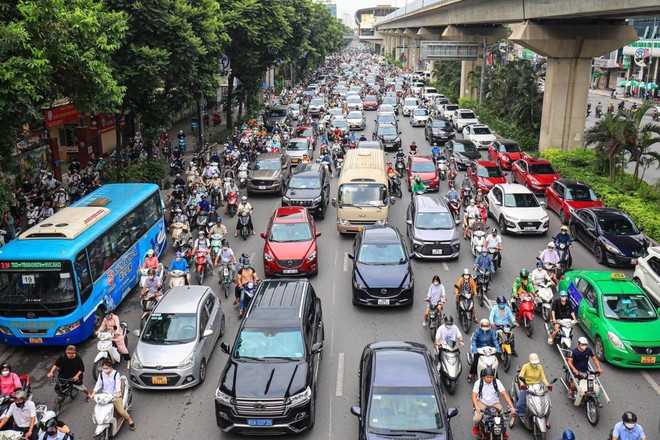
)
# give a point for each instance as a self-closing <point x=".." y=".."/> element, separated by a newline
<point x="532" y="373"/>
<point x="109" y="382"/>
<point x="9" y="381"/>
<point x="111" y="324"/>
<point x="151" y="261"/>
<point x="435" y="296"/>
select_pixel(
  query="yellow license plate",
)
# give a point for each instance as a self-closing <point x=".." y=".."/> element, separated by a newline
<point x="648" y="359"/>
<point x="36" y="340"/>
<point x="159" y="380"/>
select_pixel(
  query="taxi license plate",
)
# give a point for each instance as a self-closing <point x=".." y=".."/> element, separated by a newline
<point x="290" y="271"/>
<point x="262" y="187"/>
<point x="159" y="380"/>
<point x="294" y="160"/>
<point x="529" y="228"/>
<point x="436" y="252"/>
<point x="648" y="359"/>
<point x="383" y="302"/>
<point x="36" y="341"/>
<point x="260" y="422"/>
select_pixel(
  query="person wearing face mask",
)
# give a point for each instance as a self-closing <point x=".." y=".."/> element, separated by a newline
<point x="448" y="332"/>
<point x="578" y="361"/>
<point x="152" y="284"/>
<point x="435" y="296"/>
<point x="109" y="382"/>
<point x="24" y="414"/>
<point x="484" y="336"/>
<point x="483" y="261"/>
<point x="9" y="381"/>
<point x="628" y="429"/>
<point x="494" y="240"/>
<point x="244" y="275"/>
<point x="565" y="238"/>
<point x="53" y="431"/>
<point x="111" y="324"/>
<point x="471" y="285"/>
<point x="502" y="316"/>
<point x="561" y="309"/>
<point x="532" y="373"/>
<point x="181" y="264"/>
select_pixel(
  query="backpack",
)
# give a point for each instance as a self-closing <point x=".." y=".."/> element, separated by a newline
<point x="481" y="385"/>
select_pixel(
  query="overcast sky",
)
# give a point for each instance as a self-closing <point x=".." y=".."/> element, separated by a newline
<point x="350" y="6"/>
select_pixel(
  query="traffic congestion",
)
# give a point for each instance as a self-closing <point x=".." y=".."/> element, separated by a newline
<point x="361" y="259"/>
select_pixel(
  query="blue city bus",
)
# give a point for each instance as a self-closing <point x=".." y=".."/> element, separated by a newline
<point x="58" y="277"/>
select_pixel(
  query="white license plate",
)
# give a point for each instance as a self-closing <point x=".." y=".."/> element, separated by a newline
<point x="262" y="187"/>
<point x="290" y="271"/>
<point x="436" y="251"/>
<point x="383" y="302"/>
<point x="529" y="228"/>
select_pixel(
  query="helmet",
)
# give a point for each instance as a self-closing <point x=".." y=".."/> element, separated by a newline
<point x="50" y="425"/>
<point x="501" y="299"/>
<point x="484" y="322"/>
<point x="150" y="252"/>
<point x="534" y="358"/>
<point x="551" y="244"/>
<point x="48" y="416"/>
<point x="466" y="271"/>
<point x="488" y="371"/>
<point x="582" y="340"/>
<point x="245" y="256"/>
<point x="524" y="273"/>
<point x="629" y="417"/>
<point x="494" y="231"/>
<point x="244" y="199"/>
<point x="152" y="272"/>
<point x="563" y="293"/>
<point x="484" y="249"/>
<point x="218" y="220"/>
<point x="449" y="320"/>
<point x="564" y="228"/>
<point x="417" y="178"/>
<point x="200" y="233"/>
<point x="539" y="264"/>
<point x="6" y="365"/>
<point x="568" y="435"/>
<point x="178" y="254"/>
<point x="21" y="395"/>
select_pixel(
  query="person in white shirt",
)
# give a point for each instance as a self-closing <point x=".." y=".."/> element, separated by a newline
<point x="494" y="240"/>
<point x="485" y="393"/>
<point x="539" y="275"/>
<point x="109" y="382"/>
<point x="448" y="332"/>
<point x="24" y="414"/>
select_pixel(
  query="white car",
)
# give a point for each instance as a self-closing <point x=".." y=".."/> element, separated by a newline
<point x="356" y="120"/>
<point x="430" y="93"/>
<point x="408" y="105"/>
<point x="354" y="103"/>
<point x="447" y="110"/>
<point x="416" y="87"/>
<point x="463" y="117"/>
<point x="419" y="117"/>
<point x="333" y="112"/>
<point x="647" y="273"/>
<point x="315" y="106"/>
<point x="517" y="210"/>
<point x="480" y="134"/>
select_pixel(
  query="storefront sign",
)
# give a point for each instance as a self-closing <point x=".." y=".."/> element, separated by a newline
<point x="105" y="122"/>
<point x="61" y="115"/>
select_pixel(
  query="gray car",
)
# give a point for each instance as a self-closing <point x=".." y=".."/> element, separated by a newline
<point x="177" y="341"/>
<point x="356" y="120"/>
<point x="431" y="228"/>
<point x="269" y="173"/>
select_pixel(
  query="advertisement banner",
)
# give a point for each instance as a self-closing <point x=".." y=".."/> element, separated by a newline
<point x="61" y="115"/>
<point x="105" y="122"/>
<point x="367" y="21"/>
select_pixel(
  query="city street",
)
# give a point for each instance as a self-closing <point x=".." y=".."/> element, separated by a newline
<point x="190" y="413"/>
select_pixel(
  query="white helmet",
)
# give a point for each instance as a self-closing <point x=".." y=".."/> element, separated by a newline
<point x="551" y="244"/>
<point x="150" y="252"/>
<point x="244" y="199"/>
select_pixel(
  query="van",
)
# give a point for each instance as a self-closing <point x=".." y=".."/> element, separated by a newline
<point x="362" y="197"/>
<point x="279" y="114"/>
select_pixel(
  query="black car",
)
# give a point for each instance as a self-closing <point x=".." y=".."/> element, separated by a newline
<point x="382" y="273"/>
<point x="610" y="234"/>
<point x="268" y="385"/>
<point x="400" y="395"/>
<point x="388" y="135"/>
<point x="309" y="187"/>
<point x="463" y="151"/>
<point x="438" y="130"/>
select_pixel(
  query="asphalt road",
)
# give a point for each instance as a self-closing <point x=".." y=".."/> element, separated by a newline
<point x="190" y="413"/>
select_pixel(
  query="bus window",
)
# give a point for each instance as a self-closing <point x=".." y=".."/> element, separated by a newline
<point x="152" y="211"/>
<point x="81" y="268"/>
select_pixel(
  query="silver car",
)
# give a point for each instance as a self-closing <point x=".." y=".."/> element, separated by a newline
<point x="408" y="105"/>
<point x="177" y="341"/>
<point x="356" y="120"/>
<point x="419" y="116"/>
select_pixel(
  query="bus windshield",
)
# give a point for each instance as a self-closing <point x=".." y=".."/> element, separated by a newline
<point x="37" y="286"/>
<point x="359" y="194"/>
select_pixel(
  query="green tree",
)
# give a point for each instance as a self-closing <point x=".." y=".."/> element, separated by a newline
<point x="609" y="138"/>
<point x="640" y="137"/>
<point x="448" y="78"/>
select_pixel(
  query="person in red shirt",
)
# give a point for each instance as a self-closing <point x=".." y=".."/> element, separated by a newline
<point x="9" y="381"/>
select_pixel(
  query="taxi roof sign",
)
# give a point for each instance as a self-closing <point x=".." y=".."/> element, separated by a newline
<point x="618" y="276"/>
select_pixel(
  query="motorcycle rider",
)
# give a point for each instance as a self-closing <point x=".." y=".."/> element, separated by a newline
<point x="326" y="159"/>
<point x="567" y="435"/>
<point x="532" y="373"/>
<point x="219" y="229"/>
<point x="178" y="181"/>
<point x="111" y="323"/>
<point x="484" y="336"/>
<point x="391" y="172"/>
<point x="362" y="138"/>
<point x="418" y="185"/>
<point x="245" y="274"/>
<point x="522" y="284"/>
<point x="400" y="156"/>
<point x="24" y="416"/>
<point x="471" y="212"/>
<point x="628" y="428"/>
<point x="561" y="309"/>
<point x="244" y="206"/>
<point x="412" y="149"/>
<point x="9" y="381"/>
<point x="181" y="264"/>
<point x="152" y="284"/>
<point x="229" y="187"/>
<point x="599" y="110"/>
<point x="565" y="238"/>
<point x="226" y="256"/>
<point x="502" y="316"/>
<point x="494" y="240"/>
<point x="483" y="261"/>
<point x="539" y="276"/>
<point x="486" y="392"/>
<point x="452" y="194"/>
<point x="578" y="362"/>
<point x="109" y="382"/>
<point x="550" y="255"/>
<point x="436" y="296"/>
<point x="466" y="278"/>
<point x="436" y="152"/>
<point x="203" y="244"/>
<point x="448" y="332"/>
<point x="180" y="217"/>
<point x="204" y="205"/>
<point x="46" y="211"/>
<point x="151" y="260"/>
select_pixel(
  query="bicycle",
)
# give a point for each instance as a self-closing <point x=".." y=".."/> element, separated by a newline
<point x="67" y="388"/>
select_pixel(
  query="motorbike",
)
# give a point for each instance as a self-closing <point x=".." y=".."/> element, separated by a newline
<point x="477" y="241"/>
<point x="395" y="186"/>
<point x="526" y="312"/>
<point x="543" y="299"/>
<point x="455" y="208"/>
<point x="495" y="256"/>
<point x="487" y="359"/>
<point x="435" y="315"/>
<point x="144" y="273"/>
<point x="493" y="424"/>
<point x="599" y="113"/>
<point x="564" y="258"/>
<point x="242" y="174"/>
<point x="449" y="366"/>
<point x="191" y="213"/>
<point x="201" y="220"/>
<point x="452" y="177"/>
<point x="339" y="163"/>
<point x="176" y="167"/>
<point x="247" y="295"/>
<point x="465" y="307"/>
<point x="466" y="192"/>
<point x="225" y="278"/>
<point x="232" y="203"/>
<point x="400" y="167"/>
<point x="107" y="349"/>
<point x="178" y="278"/>
<point x="564" y="337"/>
<point x="442" y="169"/>
<point x="588" y="391"/>
<point x="551" y="269"/>
<point x="244" y="222"/>
<point x="6" y="401"/>
<point x="32" y="215"/>
<point x="483" y="211"/>
<point x="148" y="303"/>
<point x="107" y="421"/>
<point x="505" y="338"/>
<point x="538" y="405"/>
<point x="177" y="230"/>
<point x="182" y="145"/>
<point x="216" y="245"/>
<point x="215" y="196"/>
<point x="200" y="264"/>
<point x="482" y="279"/>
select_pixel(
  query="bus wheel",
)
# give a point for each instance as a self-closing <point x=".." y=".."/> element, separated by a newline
<point x="98" y="318"/>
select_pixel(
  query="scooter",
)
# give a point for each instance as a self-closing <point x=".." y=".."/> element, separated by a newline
<point x="442" y="169"/>
<point x="246" y="296"/>
<point x="482" y="279"/>
<point x="178" y="278"/>
<point x="244" y="222"/>
<point x="465" y="307"/>
<point x="202" y="220"/>
<point x="144" y="274"/>
<point x="538" y="405"/>
<point x="242" y="174"/>
<point x="32" y="215"/>
<point x="487" y="359"/>
<point x="395" y="186"/>
<point x="564" y="258"/>
<point x="225" y="278"/>
<point x="455" y="208"/>
<point x="505" y="338"/>
<point x="564" y="337"/>
<point x="107" y="349"/>
<point x="477" y="241"/>
<point x="588" y="391"/>
<point x="232" y="203"/>
<point x="400" y="167"/>
<point x="107" y="422"/>
<point x="495" y="256"/>
<point x="148" y="303"/>
<point x="434" y="319"/>
<point x="200" y="264"/>
<point x="216" y="245"/>
<point x="543" y="299"/>
<point x="525" y="312"/>
<point x="452" y="177"/>
<point x="493" y="424"/>
<point x="339" y="163"/>
<point x="466" y="192"/>
<point x="449" y="366"/>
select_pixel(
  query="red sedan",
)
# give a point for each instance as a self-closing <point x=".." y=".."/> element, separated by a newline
<point x="535" y="174"/>
<point x="424" y="167"/>
<point x="485" y="174"/>
<point x="290" y="247"/>
<point x="565" y="195"/>
<point x="504" y="152"/>
<point x="370" y="103"/>
<point x="307" y="132"/>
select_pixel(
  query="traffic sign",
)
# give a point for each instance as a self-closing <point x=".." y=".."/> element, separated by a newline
<point x="449" y="50"/>
<point x="224" y="62"/>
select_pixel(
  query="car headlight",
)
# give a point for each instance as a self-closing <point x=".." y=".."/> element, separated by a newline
<point x="417" y="242"/>
<point x="511" y="219"/>
<point x="135" y="361"/>
<point x="223" y="398"/>
<point x="311" y="256"/>
<point x="6" y="330"/>
<point x="534" y="181"/>
<point x="286" y="199"/>
<point x="318" y="199"/>
<point x="65" y="329"/>
<point x="612" y="249"/>
<point x="381" y="222"/>
<point x="267" y="257"/>
<point x="188" y="362"/>
<point x="615" y="341"/>
<point x="300" y="398"/>
<point x="544" y="219"/>
<point x="343" y="222"/>
<point x="359" y="285"/>
<point x="505" y="158"/>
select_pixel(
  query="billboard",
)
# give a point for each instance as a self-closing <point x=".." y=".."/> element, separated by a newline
<point x="367" y="21"/>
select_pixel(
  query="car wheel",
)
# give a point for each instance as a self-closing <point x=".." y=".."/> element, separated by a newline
<point x="503" y="228"/>
<point x="562" y="217"/>
<point x="599" y="349"/>
<point x="598" y="253"/>
<point x="638" y="282"/>
<point x="202" y="371"/>
<point x="223" y="325"/>
<point x="573" y="232"/>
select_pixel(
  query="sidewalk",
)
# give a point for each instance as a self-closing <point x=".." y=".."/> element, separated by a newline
<point x="617" y="98"/>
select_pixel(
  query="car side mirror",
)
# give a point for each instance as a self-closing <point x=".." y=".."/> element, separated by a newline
<point x="399" y="132"/>
<point x="208" y="332"/>
<point x="334" y="202"/>
<point x="542" y="203"/>
<point x="225" y="347"/>
<point x="351" y="255"/>
<point x="452" y="412"/>
<point x="591" y="310"/>
<point x="506" y="174"/>
<point x="411" y="255"/>
<point x="317" y="347"/>
<point x="263" y="235"/>
<point x="409" y="222"/>
<point x="356" y="411"/>
<point x="318" y="234"/>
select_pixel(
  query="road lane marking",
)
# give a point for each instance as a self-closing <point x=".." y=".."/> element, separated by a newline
<point x="339" y="391"/>
<point x="334" y="285"/>
<point x="346" y="261"/>
<point x="445" y="267"/>
<point x="651" y="382"/>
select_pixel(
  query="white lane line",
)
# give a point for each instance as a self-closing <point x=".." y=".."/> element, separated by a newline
<point x="334" y="285"/>
<point x="339" y="391"/>
<point x="346" y="261"/>
<point x="445" y="267"/>
<point x="651" y="382"/>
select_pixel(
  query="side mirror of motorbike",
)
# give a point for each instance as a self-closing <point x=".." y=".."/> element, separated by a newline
<point x="542" y="203"/>
<point x="356" y="411"/>
<point x="263" y="235"/>
<point x="554" y="380"/>
<point x="317" y="347"/>
<point x="318" y="234"/>
<point x="411" y="255"/>
<point x="225" y="347"/>
<point x="207" y="333"/>
<point x="452" y="412"/>
<point x="392" y="201"/>
<point x="334" y="202"/>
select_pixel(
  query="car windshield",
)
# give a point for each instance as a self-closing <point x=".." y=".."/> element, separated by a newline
<point x="290" y="232"/>
<point x="300" y="182"/>
<point x="541" y="168"/>
<point x="294" y="107"/>
<point x="522" y="200"/>
<point x="466" y="115"/>
<point x="617" y="226"/>
<point x="381" y="253"/>
<point x="297" y="146"/>
<point x="430" y="90"/>
<point x="266" y="165"/>
<point x="335" y="111"/>
<point x="387" y="130"/>
<point x="403" y="409"/>
<point x="339" y="123"/>
<point x="434" y="220"/>
<point x="277" y="113"/>
<point x="628" y="307"/>
<point x="464" y="148"/>
<point x="580" y="193"/>
<point x="423" y="167"/>
<point x="451" y="107"/>
<point x="316" y="101"/>
<point x="269" y="343"/>
<point x="386" y="108"/>
<point x="439" y="123"/>
<point x="361" y="195"/>
<point x="353" y="100"/>
<point x="489" y="172"/>
<point x="306" y="132"/>
<point x="420" y="112"/>
<point x="510" y="148"/>
<point x="387" y="119"/>
<point x="410" y="101"/>
<point x="481" y="130"/>
<point x="389" y="101"/>
<point x="370" y="99"/>
<point x="354" y="115"/>
<point x="170" y="328"/>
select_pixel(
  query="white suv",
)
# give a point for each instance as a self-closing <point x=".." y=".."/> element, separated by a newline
<point x="517" y="210"/>
<point x="647" y="273"/>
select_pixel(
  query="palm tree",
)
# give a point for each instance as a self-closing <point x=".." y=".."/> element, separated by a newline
<point x="640" y="137"/>
<point x="608" y="136"/>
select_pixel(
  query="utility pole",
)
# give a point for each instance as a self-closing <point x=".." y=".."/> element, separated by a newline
<point x="483" y="71"/>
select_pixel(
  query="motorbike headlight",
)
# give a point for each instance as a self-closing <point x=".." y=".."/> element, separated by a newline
<point x="135" y="361"/>
<point x="612" y="249"/>
<point x="267" y="257"/>
<point x="300" y="398"/>
<point x="65" y="329"/>
<point x="615" y="341"/>
<point x="223" y="398"/>
<point x="188" y="362"/>
<point x="311" y="256"/>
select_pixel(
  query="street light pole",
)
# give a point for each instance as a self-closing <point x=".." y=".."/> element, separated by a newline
<point x="481" y="79"/>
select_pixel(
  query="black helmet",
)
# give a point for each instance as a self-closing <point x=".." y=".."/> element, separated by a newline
<point x="524" y="273"/>
<point x="501" y="299"/>
<point x="629" y="417"/>
<point x="488" y="371"/>
<point x="6" y="365"/>
<point x="51" y="425"/>
<point x="449" y="320"/>
<point x="568" y="435"/>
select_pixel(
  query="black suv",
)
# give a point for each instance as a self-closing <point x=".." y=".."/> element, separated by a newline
<point x="269" y="383"/>
<point x="438" y="130"/>
<point x="309" y="187"/>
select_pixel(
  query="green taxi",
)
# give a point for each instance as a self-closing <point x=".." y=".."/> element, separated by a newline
<point x="617" y="315"/>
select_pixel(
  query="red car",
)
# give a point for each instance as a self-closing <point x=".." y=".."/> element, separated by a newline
<point x="425" y="168"/>
<point x="370" y="102"/>
<point x="565" y="195"/>
<point x="307" y="132"/>
<point x="290" y="247"/>
<point x="504" y="152"/>
<point x="485" y="174"/>
<point x="535" y="174"/>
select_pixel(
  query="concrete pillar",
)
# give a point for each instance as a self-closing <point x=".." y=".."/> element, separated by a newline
<point x="466" y="91"/>
<point x="569" y="50"/>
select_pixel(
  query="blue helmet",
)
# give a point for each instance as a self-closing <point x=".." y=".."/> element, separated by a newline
<point x="568" y="435"/>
